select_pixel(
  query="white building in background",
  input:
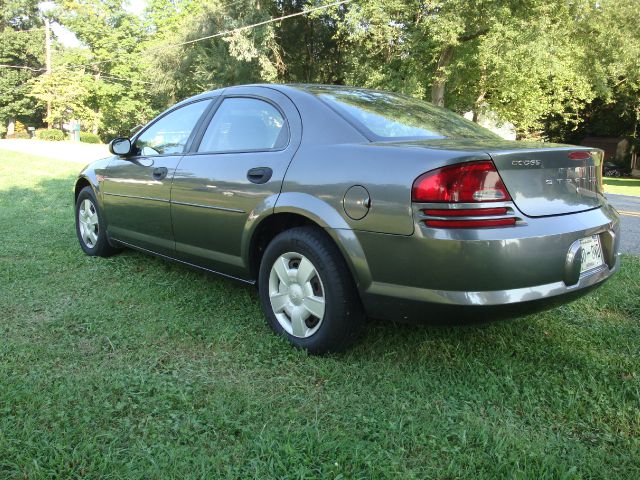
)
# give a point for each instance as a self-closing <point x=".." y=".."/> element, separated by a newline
<point x="491" y="121"/>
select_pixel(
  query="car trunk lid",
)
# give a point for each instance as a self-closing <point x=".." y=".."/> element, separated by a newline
<point x="543" y="179"/>
<point x="551" y="181"/>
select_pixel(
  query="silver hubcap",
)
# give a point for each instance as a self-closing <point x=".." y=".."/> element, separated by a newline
<point x="88" y="221"/>
<point x="296" y="294"/>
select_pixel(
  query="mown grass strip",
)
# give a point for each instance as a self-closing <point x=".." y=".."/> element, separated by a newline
<point x="131" y="367"/>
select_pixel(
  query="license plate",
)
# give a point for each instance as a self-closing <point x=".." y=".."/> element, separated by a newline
<point x="591" y="253"/>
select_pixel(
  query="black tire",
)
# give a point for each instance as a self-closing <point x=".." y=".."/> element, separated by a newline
<point x="99" y="247"/>
<point x="343" y="316"/>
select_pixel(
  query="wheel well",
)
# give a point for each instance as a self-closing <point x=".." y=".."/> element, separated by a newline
<point x="80" y="184"/>
<point x="267" y="231"/>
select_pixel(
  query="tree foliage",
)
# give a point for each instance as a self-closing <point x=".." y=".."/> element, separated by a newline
<point x="551" y="67"/>
<point x="111" y="67"/>
<point x="22" y="46"/>
<point x="69" y="92"/>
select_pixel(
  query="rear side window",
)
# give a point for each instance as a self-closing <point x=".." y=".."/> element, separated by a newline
<point x="245" y="124"/>
<point x="169" y="135"/>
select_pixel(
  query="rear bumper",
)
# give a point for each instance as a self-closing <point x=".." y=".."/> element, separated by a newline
<point x="501" y="270"/>
<point x="394" y="302"/>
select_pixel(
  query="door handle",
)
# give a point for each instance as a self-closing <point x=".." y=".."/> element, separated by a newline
<point x="259" y="175"/>
<point x="159" y="173"/>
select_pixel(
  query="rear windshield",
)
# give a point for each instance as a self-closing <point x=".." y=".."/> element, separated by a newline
<point x="387" y="116"/>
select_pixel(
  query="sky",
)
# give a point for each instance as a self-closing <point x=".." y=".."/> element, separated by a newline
<point x="137" y="6"/>
<point x="68" y="39"/>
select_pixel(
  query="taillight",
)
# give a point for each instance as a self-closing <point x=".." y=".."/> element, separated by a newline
<point x="467" y="212"/>
<point x="479" y="223"/>
<point x="579" y="155"/>
<point x="470" y="182"/>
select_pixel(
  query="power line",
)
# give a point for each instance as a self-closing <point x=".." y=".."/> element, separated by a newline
<point x="265" y="22"/>
<point x="119" y="80"/>
<point x="230" y="4"/>
<point x="77" y="68"/>
<point x="215" y="35"/>
<point x="227" y="32"/>
<point x="90" y="64"/>
<point x="22" y="31"/>
<point x="23" y="67"/>
<point x="132" y="80"/>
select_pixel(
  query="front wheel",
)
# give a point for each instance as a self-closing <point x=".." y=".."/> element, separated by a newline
<point x="307" y="292"/>
<point x="90" y="226"/>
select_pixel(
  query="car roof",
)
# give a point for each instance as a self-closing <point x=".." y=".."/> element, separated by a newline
<point x="309" y="88"/>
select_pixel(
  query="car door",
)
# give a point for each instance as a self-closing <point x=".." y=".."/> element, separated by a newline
<point x="137" y="188"/>
<point x="234" y="168"/>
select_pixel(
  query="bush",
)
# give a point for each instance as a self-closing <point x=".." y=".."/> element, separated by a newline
<point x="20" y="128"/>
<point x="19" y="131"/>
<point x="88" y="137"/>
<point x="52" y="135"/>
<point x="23" y="135"/>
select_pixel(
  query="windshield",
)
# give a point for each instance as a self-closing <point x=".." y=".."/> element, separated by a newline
<point x="387" y="116"/>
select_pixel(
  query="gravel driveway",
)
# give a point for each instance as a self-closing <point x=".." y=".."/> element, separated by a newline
<point x="71" y="151"/>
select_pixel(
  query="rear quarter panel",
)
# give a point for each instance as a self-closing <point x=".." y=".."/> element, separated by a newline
<point x="326" y="172"/>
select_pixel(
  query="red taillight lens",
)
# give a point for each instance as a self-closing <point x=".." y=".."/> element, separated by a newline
<point x="476" y="218"/>
<point x="467" y="212"/>
<point x="579" y="155"/>
<point x="463" y="183"/>
<point x="480" y="223"/>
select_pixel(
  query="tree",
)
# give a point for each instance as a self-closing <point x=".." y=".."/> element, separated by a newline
<point x="298" y="49"/>
<point x="544" y="65"/>
<point x="181" y="68"/>
<point x="524" y="59"/>
<point x="113" y="43"/>
<point x="21" y="57"/>
<point x="69" y="93"/>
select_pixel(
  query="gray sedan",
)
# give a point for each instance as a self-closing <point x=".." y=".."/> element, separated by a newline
<point x="343" y="203"/>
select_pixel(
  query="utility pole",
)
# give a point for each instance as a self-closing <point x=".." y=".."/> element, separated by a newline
<point x="47" y="49"/>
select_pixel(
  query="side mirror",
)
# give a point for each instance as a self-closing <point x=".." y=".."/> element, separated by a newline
<point x="120" y="146"/>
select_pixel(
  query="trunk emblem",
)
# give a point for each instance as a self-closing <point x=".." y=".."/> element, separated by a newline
<point x="584" y="177"/>
<point x="526" y="163"/>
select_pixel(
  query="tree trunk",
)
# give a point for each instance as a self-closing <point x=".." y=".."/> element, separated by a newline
<point x="477" y="106"/>
<point x="96" y="118"/>
<point x="444" y="60"/>
<point x="94" y="130"/>
<point x="440" y="76"/>
<point x="47" y="49"/>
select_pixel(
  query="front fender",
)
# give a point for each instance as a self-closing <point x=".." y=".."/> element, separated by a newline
<point x="84" y="178"/>
<point x="91" y="174"/>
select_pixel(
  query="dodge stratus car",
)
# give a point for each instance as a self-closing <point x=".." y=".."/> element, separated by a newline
<point x="341" y="203"/>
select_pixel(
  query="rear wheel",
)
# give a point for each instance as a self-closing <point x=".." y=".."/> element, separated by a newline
<point x="307" y="292"/>
<point x="90" y="226"/>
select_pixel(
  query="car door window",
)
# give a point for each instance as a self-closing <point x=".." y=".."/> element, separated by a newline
<point x="245" y="124"/>
<point x="169" y="135"/>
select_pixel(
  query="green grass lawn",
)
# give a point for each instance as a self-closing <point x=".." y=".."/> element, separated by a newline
<point x="131" y="367"/>
<point x="622" y="186"/>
